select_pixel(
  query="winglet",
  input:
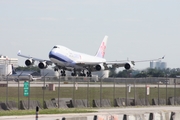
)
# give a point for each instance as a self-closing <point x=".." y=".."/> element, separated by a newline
<point x="163" y="57"/>
<point x="19" y="52"/>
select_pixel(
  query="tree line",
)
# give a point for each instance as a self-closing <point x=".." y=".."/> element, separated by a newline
<point x="25" y="68"/>
<point x="149" y="72"/>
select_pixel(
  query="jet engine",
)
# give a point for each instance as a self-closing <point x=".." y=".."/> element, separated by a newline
<point x="29" y="62"/>
<point x="128" y="65"/>
<point x="99" y="67"/>
<point x="42" y="65"/>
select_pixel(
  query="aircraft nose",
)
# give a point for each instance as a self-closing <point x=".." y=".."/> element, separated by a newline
<point x="51" y="53"/>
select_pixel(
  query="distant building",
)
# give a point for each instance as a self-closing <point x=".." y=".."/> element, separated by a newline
<point x="6" y="65"/>
<point x="158" y="65"/>
<point x="153" y="64"/>
<point x="10" y="61"/>
<point x="163" y="65"/>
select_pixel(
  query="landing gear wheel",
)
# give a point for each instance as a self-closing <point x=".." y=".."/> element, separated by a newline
<point x="63" y="73"/>
<point x="89" y="74"/>
<point x="55" y="69"/>
<point x="82" y="73"/>
<point x="74" y="73"/>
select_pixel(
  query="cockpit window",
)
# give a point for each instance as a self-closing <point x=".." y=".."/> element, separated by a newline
<point x="55" y="47"/>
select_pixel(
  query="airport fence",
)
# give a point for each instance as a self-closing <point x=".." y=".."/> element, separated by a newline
<point x="85" y="92"/>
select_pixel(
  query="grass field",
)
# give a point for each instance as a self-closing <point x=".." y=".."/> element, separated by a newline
<point x="45" y="111"/>
<point x="36" y="93"/>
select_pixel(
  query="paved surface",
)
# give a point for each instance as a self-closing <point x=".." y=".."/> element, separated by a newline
<point x="40" y="84"/>
<point x="109" y="111"/>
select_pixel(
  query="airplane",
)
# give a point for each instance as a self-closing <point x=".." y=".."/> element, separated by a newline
<point x="21" y="76"/>
<point x="66" y="59"/>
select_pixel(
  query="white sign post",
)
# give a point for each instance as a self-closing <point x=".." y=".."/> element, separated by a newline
<point x="129" y="88"/>
<point x="148" y="90"/>
<point x="76" y="86"/>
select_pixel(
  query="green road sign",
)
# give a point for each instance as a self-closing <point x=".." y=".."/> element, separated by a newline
<point x="26" y="88"/>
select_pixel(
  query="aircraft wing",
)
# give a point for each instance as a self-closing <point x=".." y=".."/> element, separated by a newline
<point x="48" y="62"/>
<point x="151" y="59"/>
<point x="105" y="65"/>
<point x="127" y="63"/>
<point x="119" y="63"/>
<point x="115" y="64"/>
<point x="88" y="63"/>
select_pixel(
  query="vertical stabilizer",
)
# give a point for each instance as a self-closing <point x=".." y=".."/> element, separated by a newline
<point x="102" y="48"/>
<point x="13" y="70"/>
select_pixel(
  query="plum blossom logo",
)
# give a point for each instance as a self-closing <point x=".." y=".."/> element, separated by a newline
<point x="103" y="47"/>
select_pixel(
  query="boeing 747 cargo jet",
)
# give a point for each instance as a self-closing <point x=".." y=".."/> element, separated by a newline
<point x="66" y="59"/>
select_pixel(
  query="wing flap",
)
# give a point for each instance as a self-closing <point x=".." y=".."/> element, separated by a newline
<point x="117" y="64"/>
<point x="88" y="63"/>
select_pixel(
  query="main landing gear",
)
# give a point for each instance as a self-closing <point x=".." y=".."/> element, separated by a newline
<point x="63" y="73"/>
<point x="82" y="73"/>
<point x="74" y="73"/>
<point x="89" y="74"/>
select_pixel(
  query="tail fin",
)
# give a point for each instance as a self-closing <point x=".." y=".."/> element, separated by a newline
<point x="102" y="48"/>
<point x="13" y="70"/>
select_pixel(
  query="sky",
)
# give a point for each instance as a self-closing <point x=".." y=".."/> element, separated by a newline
<point x="137" y="29"/>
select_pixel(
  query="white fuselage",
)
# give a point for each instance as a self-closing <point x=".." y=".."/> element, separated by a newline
<point x="63" y="56"/>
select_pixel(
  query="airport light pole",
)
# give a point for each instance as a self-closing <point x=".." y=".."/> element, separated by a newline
<point x="101" y="78"/>
<point x="166" y="91"/>
<point x="88" y="91"/>
<point x="44" y="87"/>
<point x="146" y="90"/>
<point x="18" y="88"/>
<point x="1" y="72"/>
<point x="7" y="88"/>
<point x="158" y="91"/>
<point x="145" y="87"/>
<point x="74" y="88"/>
<point x="114" y="89"/>
<point x="59" y="88"/>
<point x="127" y="87"/>
<point x="174" y="91"/>
<point x="18" y="93"/>
<point x="135" y="92"/>
<point x="6" y="79"/>
<point x="29" y="94"/>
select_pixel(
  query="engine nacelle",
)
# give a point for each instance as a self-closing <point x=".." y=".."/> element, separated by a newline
<point x="42" y="65"/>
<point x="29" y="62"/>
<point x="99" y="67"/>
<point x="128" y="65"/>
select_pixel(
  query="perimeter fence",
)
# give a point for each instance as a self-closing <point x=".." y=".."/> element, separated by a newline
<point x="76" y="92"/>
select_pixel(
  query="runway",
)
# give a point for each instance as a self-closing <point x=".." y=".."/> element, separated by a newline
<point x="131" y="112"/>
<point x="83" y="84"/>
